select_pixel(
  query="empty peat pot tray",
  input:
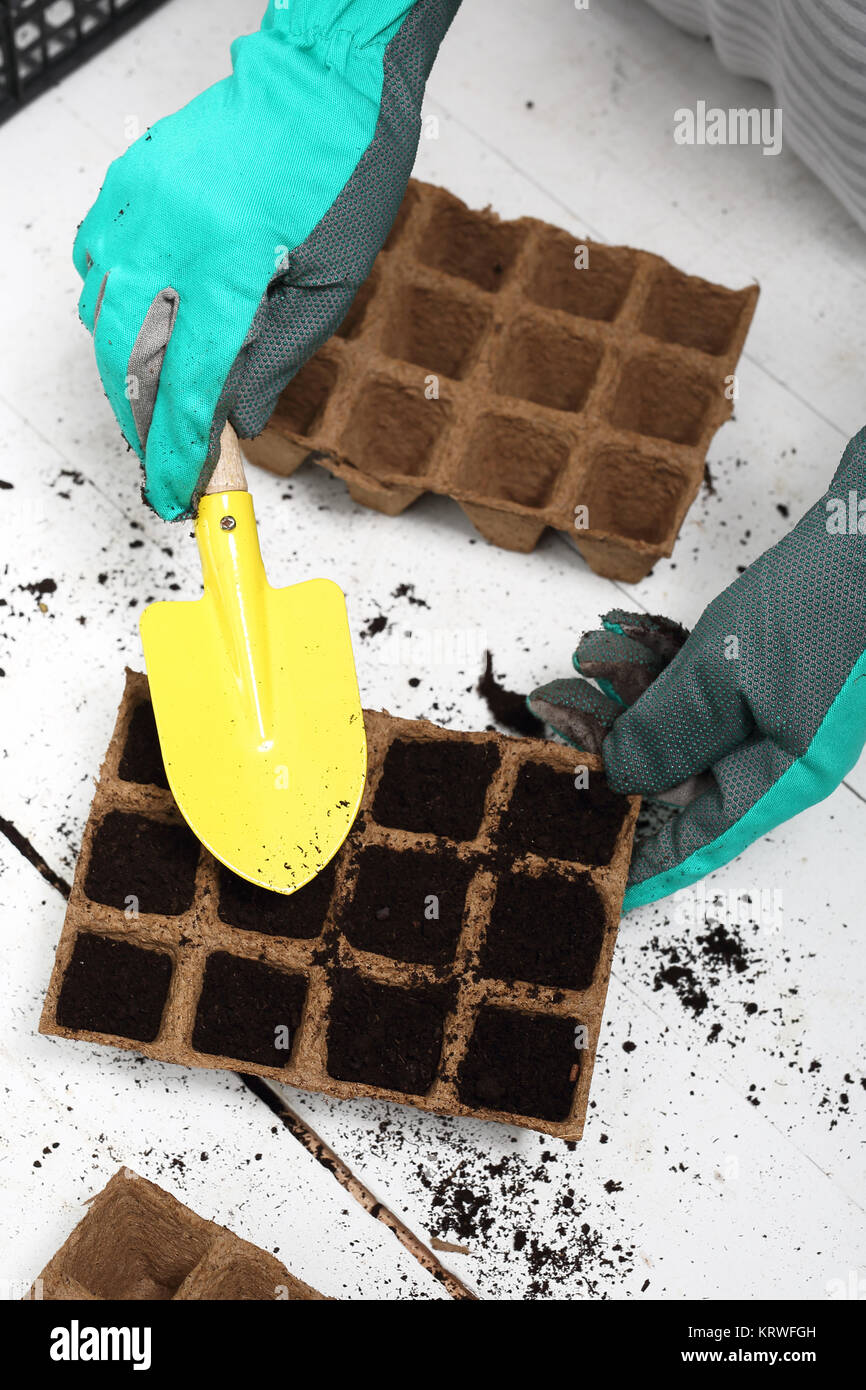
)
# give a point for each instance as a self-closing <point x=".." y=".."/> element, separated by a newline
<point x="139" y="1242"/>
<point x="537" y="380"/>
<point x="454" y="956"/>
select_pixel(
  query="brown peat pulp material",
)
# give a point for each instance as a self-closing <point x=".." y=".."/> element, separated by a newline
<point x="537" y="379"/>
<point x="455" y="954"/>
<point x="138" y="1242"/>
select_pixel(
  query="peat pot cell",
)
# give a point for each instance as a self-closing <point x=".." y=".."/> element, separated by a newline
<point x="683" y="309"/>
<point x="301" y="915"/>
<point x="114" y="987"/>
<point x="303" y="402"/>
<point x="548" y="815"/>
<point x="244" y="1280"/>
<point x="434" y="329"/>
<point x="435" y="787"/>
<point x="392" y="429"/>
<point x="661" y="398"/>
<point x="137" y="1249"/>
<point x="629" y="495"/>
<point x="248" y="1010"/>
<point x="356" y="315"/>
<point x="379" y="1035"/>
<point x="524" y="1064"/>
<point x="141" y="760"/>
<point x="592" y="291"/>
<point x="513" y="459"/>
<point x="142" y="863"/>
<point x="471" y="245"/>
<point x="544" y="931"/>
<point x="407" y="905"/>
<point x="542" y="362"/>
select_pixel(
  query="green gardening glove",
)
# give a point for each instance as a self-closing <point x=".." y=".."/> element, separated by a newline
<point x="756" y="715"/>
<point x="228" y="242"/>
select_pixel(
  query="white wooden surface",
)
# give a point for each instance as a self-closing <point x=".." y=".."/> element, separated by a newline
<point x="723" y="1153"/>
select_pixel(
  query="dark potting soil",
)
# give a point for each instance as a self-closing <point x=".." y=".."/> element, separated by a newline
<point x="249" y="907"/>
<point x="549" y="816"/>
<point x="379" y="1035"/>
<point x="141" y="760"/>
<point x="546" y="931"/>
<point x="525" y="1064"/>
<point x="407" y="905"/>
<point x="145" y="860"/>
<point x="242" y="1005"/>
<point x="435" y="787"/>
<point x="114" y="987"/>
<point x="507" y="707"/>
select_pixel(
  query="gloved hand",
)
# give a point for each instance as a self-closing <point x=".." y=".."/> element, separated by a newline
<point x="228" y="242"/>
<point x="756" y="715"/>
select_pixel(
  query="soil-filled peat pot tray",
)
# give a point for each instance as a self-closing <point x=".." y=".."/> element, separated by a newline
<point x="138" y="1242"/>
<point x="538" y="380"/>
<point x="454" y="955"/>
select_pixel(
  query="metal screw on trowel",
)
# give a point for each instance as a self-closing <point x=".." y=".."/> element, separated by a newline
<point x="227" y="523"/>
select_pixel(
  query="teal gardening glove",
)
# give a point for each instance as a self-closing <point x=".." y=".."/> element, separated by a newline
<point x="229" y="241"/>
<point x="756" y="715"/>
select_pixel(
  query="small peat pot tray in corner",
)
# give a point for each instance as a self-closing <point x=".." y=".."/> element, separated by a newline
<point x="138" y="1242"/>
<point x="454" y="956"/>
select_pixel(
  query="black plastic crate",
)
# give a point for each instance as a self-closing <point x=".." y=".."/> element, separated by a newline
<point x="43" y="40"/>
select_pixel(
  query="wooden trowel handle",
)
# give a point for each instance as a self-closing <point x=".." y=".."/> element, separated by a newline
<point x="228" y="476"/>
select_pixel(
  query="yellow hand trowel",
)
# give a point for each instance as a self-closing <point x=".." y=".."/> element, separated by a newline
<point x="256" y="701"/>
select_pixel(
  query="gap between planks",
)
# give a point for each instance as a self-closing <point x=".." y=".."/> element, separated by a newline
<point x="353" y="1185"/>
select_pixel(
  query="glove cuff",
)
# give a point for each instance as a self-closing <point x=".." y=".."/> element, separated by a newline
<point x="338" y="22"/>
